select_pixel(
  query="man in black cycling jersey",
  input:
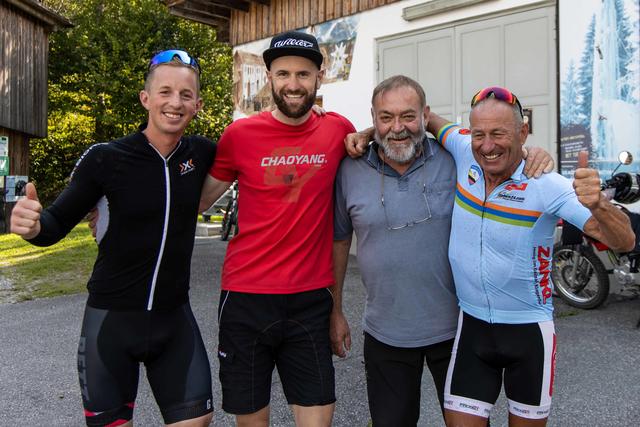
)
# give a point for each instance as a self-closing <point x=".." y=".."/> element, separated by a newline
<point x="138" y="307"/>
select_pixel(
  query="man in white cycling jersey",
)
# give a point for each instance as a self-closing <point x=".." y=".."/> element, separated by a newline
<point x="500" y="251"/>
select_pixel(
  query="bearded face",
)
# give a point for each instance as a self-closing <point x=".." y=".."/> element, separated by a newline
<point x="293" y="103"/>
<point x="402" y="146"/>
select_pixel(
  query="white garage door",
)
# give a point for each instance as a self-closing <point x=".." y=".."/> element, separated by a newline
<point x="515" y="50"/>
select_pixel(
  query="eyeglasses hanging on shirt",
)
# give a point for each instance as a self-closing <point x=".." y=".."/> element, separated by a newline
<point x="422" y="217"/>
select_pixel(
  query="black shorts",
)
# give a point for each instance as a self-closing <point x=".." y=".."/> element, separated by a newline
<point x="394" y="377"/>
<point x="112" y="345"/>
<point x="258" y="332"/>
<point x="485" y="352"/>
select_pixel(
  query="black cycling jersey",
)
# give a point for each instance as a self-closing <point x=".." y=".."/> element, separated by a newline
<point x="144" y="256"/>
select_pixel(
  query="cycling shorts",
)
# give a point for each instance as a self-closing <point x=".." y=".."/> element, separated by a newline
<point x="114" y="343"/>
<point x="485" y="352"/>
<point x="258" y="332"/>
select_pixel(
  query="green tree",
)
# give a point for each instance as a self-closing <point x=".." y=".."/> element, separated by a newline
<point x="585" y="73"/>
<point x="97" y="68"/>
<point x="627" y="55"/>
<point x="569" y="100"/>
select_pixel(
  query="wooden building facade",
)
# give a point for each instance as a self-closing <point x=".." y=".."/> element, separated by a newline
<point x="239" y="21"/>
<point x="25" y="26"/>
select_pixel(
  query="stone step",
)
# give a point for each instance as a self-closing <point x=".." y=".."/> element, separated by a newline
<point x="207" y="229"/>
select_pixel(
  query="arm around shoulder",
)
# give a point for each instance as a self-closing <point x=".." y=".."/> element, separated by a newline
<point x="435" y="123"/>
<point x="212" y="189"/>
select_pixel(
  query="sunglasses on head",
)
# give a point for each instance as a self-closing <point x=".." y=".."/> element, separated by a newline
<point x="498" y="93"/>
<point x="168" y="55"/>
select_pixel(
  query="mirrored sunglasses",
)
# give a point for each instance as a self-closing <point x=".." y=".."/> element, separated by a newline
<point x="498" y="93"/>
<point x="168" y="56"/>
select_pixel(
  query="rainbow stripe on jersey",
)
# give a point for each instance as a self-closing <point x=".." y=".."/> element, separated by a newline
<point x="447" y="130"/>
<point x="506" y="215"/>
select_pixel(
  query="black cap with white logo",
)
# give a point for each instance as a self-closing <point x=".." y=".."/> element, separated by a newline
<point x="293" y="43"/>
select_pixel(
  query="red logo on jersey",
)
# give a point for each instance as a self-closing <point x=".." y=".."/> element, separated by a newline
<point x="516" y="187"/>
<point x="544" y="270"/>
<point x="287" y="167"/>
<point x="464" y="131"/>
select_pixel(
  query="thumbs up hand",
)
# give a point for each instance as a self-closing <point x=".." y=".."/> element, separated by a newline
<point x="25" y="216"/>
<point x="587" y="183"/>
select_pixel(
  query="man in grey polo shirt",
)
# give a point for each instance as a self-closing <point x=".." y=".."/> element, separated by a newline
<point x="398" y="198"/>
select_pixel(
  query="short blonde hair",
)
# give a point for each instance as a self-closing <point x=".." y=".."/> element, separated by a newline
<point x="175" y="62"/>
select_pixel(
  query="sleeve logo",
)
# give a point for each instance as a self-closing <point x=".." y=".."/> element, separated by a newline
<point x="474" y="174"/>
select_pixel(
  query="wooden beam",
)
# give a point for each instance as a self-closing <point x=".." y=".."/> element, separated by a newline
<point x="172" y="3"/>
<point x="222" y="25"/>
<point x="44" y="14"/>
<point x="194" y="13"/>
<point x="213" y="11"/>
<point x="206" y="4"/>
<point x="241" y="5"/>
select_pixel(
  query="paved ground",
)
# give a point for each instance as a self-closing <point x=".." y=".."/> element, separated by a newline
<point x="597" y="377"/>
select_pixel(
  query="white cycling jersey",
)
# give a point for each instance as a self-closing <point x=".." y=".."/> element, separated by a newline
<point x="501" y="243"/>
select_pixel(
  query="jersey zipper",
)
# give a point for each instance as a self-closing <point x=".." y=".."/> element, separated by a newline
<point x="482" y="267"/>
<point x="165" y="227"/>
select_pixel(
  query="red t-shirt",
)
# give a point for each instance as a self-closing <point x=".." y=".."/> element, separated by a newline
<point x="285" y="207"/>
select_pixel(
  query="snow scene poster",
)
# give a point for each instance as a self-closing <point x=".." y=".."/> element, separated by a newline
<point x="599" y="82"/>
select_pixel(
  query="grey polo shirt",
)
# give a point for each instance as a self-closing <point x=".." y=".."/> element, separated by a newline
<point x="411" y="300"/>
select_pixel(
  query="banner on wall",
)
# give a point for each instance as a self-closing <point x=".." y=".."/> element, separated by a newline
<point x="4" y="146"/>
<point x="251" y="93"/>
<point x="599" y="82"/>
<point x="4" y="156"/>
<point x="15" y="187"/>
<point x="4" y="165"/>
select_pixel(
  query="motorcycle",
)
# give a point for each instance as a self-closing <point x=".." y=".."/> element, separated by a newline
<point x="579" y="275"/>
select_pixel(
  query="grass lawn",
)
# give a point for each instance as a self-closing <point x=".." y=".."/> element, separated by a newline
<point x="28" y="272"/>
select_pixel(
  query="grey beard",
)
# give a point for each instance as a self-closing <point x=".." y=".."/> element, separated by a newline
<point x="404" y="154"/>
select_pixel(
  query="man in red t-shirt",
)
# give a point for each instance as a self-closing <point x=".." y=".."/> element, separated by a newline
<point x="274" y="304"/>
